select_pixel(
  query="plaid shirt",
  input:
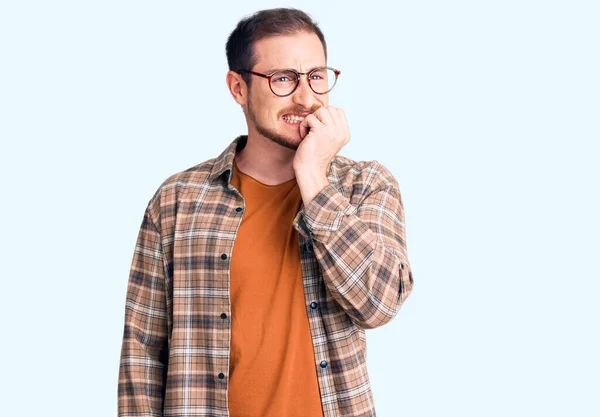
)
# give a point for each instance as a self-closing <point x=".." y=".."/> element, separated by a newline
<point x="176" y="340"/>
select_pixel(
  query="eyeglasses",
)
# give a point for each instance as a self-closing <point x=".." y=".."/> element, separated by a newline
<point x="284" y="82"/>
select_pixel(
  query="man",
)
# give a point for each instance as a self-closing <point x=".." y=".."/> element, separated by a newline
<point x="256" y="273"/>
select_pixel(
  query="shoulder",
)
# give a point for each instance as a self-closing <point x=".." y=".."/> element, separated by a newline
<point x="177" y="188"/>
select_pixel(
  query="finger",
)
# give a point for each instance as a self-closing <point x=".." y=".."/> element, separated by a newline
<point x="325" y="116"/>
<point x="344" y="123"/>
<point x="341" y="127"/>
<point x="309" y="122"/>
<point x="336" y="117"/>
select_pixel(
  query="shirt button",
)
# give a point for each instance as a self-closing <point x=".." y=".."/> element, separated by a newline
<point x="224" y="256"/>
<point x="223" y="316"/>
<point x="238" y="209"/>
<point x="313" y="305"/>
<point x="323" y="364"/>
<point x="221" y="375"/>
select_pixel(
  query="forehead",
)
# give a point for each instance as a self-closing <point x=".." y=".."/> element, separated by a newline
<point x="300" y="51"/>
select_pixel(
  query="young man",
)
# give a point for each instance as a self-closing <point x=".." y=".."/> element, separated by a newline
<point x="256" y="273"/>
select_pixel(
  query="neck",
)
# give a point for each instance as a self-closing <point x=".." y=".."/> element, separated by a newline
<point x="265" y="160"/>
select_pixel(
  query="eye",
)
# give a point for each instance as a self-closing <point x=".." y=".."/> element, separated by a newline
<point x="318" y="75"/>
<point x="284" y="77"/>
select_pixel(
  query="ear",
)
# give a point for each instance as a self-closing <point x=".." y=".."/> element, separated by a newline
<point x="237" y="87"/>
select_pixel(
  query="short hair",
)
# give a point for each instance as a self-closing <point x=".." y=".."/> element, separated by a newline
<point x="264" y="24"/>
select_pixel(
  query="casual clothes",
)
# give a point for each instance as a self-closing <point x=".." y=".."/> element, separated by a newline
<point x="243" y="302"/>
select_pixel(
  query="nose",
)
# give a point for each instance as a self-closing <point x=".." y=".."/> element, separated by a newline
<point x="304" y="95"/>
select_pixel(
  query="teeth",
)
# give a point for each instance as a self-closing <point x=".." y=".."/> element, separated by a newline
<point x="293" y="119"/>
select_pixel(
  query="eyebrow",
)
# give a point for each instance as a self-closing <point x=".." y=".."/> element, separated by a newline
<point x="283" y="69"/>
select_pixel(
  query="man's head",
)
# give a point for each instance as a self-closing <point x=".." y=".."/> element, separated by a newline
<point x="264" y="42"/>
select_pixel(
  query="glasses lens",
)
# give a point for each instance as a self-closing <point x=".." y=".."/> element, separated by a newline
<point x="283" y="82"/>
<point x="322" y="80"/>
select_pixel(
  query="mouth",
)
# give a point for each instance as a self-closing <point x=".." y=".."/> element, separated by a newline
<point x="294" y="119"/>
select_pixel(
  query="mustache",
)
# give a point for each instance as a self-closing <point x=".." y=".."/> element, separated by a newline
<point x="298" y="109"/>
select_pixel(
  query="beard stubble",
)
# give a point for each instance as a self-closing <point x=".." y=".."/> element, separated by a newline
<point x="279" y="138"/>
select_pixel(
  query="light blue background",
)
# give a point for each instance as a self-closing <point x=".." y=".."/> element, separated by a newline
<point x="487" y="113"/>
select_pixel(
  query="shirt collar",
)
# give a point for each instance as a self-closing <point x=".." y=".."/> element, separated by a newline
<point x="224" y="162"/>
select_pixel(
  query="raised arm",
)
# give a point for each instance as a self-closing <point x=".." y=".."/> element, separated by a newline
<point x="362" y="250"/>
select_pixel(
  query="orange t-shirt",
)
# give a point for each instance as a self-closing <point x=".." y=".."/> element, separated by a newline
<point x="272" y="371"/>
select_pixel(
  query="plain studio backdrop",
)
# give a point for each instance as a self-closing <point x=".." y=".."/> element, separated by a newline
<point x="487" y="113"/>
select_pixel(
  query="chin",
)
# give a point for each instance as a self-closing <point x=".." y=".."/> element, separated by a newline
<point x="287" y="142"/>
<point x="280" y="137"/>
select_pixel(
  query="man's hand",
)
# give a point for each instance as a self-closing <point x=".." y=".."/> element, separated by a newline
<point x="328" y="134"/>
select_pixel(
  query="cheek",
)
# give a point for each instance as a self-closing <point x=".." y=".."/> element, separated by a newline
<point x="266" y="108"/>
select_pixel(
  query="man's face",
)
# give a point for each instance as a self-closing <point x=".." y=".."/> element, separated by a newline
<point x="265" y="110"/>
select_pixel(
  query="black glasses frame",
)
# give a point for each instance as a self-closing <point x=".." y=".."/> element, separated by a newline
<point x="298" y="74"/>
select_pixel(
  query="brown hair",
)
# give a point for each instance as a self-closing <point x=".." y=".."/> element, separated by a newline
<point x="264" y="24"/>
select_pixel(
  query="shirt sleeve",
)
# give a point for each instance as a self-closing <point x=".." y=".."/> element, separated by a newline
<point x="144" y="352"/>
<point x="362" y="250"/>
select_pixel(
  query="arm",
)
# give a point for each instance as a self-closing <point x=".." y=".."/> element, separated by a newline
<point x="144" y="352"/>
<point x="362" y="250"/>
